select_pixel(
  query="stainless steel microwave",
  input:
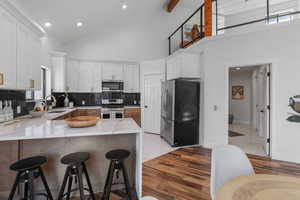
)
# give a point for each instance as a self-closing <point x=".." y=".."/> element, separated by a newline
<point x="112" y="86"/>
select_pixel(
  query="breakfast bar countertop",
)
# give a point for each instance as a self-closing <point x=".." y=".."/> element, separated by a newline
<point x="42" y="128"/>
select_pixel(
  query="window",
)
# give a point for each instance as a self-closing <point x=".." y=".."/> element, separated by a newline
<point x="45" y="84"/>
<point x="280" y="16"/>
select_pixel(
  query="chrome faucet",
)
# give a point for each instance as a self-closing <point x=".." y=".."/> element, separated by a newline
<point x="51" y="97"/>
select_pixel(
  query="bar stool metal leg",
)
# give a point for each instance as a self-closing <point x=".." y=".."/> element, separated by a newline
<point x="80" y="181"/>
<point x="63" y="186"/>
<point x="26" y="190"/>
<point x="126" y="180"/>
<point x="88" y="181"/>
<point x="109" y="180"/>
<point x="30" y="185"/>
<point x="14" y="188"/>
<point x="45" y="183"/>
<point x="70" y="182"/>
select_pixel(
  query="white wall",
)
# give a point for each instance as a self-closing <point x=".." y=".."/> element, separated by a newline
<point x="241" y="109"/>
<point x="276" y="44"/>
<point x="145" y="41"/>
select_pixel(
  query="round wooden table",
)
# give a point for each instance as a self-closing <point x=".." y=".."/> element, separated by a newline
<point x="260" y="187"/>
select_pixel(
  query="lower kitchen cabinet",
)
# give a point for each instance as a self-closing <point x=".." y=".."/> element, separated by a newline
<point x="134" y="113"/>
<point x="87" y="112"/>
<point x="81" y="112"/>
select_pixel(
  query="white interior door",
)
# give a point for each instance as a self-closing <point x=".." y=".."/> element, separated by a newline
<point x="152" y="103"/>
<point x="263" y="101"/>
<point x="266" y="120"/>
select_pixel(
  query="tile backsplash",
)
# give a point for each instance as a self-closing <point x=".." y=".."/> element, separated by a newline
<point x="18" y="99"/>
<point x="94" y="99"/>
<point x="132" y="99"/>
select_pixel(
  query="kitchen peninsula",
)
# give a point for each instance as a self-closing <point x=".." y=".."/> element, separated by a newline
<point x="54" y="139"/>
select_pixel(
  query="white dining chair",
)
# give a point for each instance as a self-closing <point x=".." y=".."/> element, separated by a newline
<point x="148" y="198"/>
<point x="227" y="162"/>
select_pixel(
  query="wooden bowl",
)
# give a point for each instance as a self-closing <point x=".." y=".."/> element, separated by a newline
<point x="82" y="121"/>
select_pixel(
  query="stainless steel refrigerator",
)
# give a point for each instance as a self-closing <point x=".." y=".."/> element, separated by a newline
<point x="180" y="111"/>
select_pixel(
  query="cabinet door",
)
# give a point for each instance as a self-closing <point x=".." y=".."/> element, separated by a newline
<point x="86" y="76"/>
<point x="8" y="50"/>
<point x="73" y="75"/>
<point x="106" y="71"/>
<point x="35" y="60"/>
<point x="131" y="78"/>
<point x="23" y="53"/>
<point x="174" y="67"/>
<point x="136" y="79"/>
<point x="97" y="78"/>
<point x="112" y="71"/>
<point x="190" y="66"/>
<point x="117" y="71"/>
<point x="58" y="73"/>
<point x="28" y="59"/>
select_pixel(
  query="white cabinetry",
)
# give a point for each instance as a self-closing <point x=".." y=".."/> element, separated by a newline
<point x="183" y="64"/>
<point x="58" y="71"/>
<point x="89" y="77"/>
<point x="8" y="55"/>
<point x="73" y="70"/>
<point x="112" y="71"/>
<point x="28" y="59"/>
<point x="132" y="78"/>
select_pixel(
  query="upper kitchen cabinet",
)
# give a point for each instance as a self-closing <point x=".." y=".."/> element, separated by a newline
<point x="89" y="77"/>
<point x="58" y="71"/>
<point x="183" y="64"/>
<point x="28" y="59"/>
<point x="132" y="78"/>
<point x="73" y="70"/>
<point x="8" y="54"/>
<point x="112" y="71"/>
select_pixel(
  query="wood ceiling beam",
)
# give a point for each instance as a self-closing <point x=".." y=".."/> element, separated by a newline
<point x="171" y="5"/>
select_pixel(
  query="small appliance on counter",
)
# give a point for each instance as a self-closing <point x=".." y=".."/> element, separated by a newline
<point x="180" y="111"/>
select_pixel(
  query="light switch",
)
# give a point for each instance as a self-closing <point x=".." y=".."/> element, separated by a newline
<point x="215" y="107"/>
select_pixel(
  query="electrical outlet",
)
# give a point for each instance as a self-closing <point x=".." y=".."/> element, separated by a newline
<point x="18" y="109"/>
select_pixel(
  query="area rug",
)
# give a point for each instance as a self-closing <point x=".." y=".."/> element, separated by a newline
<point x="234" y="134"/>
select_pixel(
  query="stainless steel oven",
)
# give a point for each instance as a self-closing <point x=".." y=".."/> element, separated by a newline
<point x="112" y="86"/>
<point x="112" y="113"/>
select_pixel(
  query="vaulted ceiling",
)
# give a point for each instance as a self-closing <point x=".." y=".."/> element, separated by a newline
<point x="96" y="15"/>
<point x="106" y="15"/>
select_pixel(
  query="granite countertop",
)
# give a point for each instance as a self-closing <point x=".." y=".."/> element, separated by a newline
<point x="42" y="128"/>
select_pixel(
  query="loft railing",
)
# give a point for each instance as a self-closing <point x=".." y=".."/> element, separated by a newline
<point x="190" y="31"/>
<point x="267" y="18"/>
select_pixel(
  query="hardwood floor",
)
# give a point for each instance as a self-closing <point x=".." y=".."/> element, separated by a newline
<point x="184" y="174"/>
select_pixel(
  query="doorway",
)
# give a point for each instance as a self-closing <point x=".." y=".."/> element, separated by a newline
<point x="249" y="108"/>
<point x="152" y="103"/>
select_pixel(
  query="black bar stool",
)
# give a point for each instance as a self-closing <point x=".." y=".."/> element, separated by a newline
<point x="28" y="170"/>
<point x="75" y="167"/>
<point x="116" y="158"/>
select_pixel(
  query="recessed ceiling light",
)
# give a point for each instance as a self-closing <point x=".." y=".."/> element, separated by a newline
<point x="124" y="6"/>
<point x="47" y="24"/>
<point x="79" y="24"/>
<point x="238" y="68"/>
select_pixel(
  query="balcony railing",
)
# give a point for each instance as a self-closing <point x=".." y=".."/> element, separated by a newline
<point x="228" y="17"/>
<point x="190" y="31"/>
